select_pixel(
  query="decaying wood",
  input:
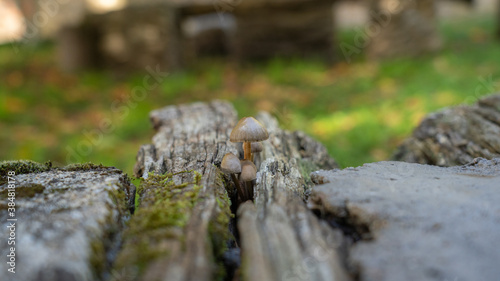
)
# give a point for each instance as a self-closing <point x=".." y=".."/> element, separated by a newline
<point x="68" y="223"/>
<point x="456" y="136"/>
<point x="279" y="237"/>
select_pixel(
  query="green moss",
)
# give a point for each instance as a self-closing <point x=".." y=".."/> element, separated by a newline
<point x="162" y="214"/>
<point x="23" y="167"/>
<point x="82" y="167"/>
<point x="57" y="190"/>
<point x="119" y="199"/>
<point x="24" y="191"/>
<point x="97" y="257"/>
<point x="306" y="168"/>
<point x="137" y="183"/>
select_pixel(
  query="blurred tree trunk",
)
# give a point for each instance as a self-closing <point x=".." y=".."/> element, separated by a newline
<point x="77" y="47"/>
<point x="402" y="28"/>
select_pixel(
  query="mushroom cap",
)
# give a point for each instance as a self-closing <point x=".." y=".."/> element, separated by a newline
<point x="247" y="162"/>
<point x="248" y="129"/>
<point x="248" y="171"/>
<point x="230" y="164"/>
<point x="257" y="147"/>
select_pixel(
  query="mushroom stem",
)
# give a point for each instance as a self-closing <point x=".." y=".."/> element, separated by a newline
<point x="238" y="186"/>
<point x="247" y="150"/>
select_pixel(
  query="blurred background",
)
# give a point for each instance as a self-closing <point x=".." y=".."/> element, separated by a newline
<point x="78" y="78"/>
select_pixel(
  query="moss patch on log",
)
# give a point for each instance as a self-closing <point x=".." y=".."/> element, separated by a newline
<point x="23" y="167"/>
<point x="162" y="214"/>
<point x="156" y="232"/>
<point x="24" y="191"/>
<point x="97" y="260"/>
<point x="82" y="167"/>
<point x="29" y="166"/>
<point x="306" y="168"/>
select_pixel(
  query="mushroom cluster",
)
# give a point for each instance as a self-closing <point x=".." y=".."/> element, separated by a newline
<point x="243" y="172"/>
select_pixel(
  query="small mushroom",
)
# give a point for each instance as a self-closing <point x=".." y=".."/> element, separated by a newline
<point x="248" y="130"/>
<point x="256" y="148"/>
<point x="231" y="165"/>
<point x="248" y="174"/>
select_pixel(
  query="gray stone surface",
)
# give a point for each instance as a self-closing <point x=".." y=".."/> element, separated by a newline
<point x="423" y="222"/>
<point x="68" y="223"/>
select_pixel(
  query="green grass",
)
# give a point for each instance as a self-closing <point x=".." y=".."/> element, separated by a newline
<point x="360" y="110"/>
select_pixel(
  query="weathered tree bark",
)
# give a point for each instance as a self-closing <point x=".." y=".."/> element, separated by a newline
<point x="402" y="28"/>
<point x="455" y="136"/>
<point x="69" y="220"/>
<point x="279" y="237"/>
